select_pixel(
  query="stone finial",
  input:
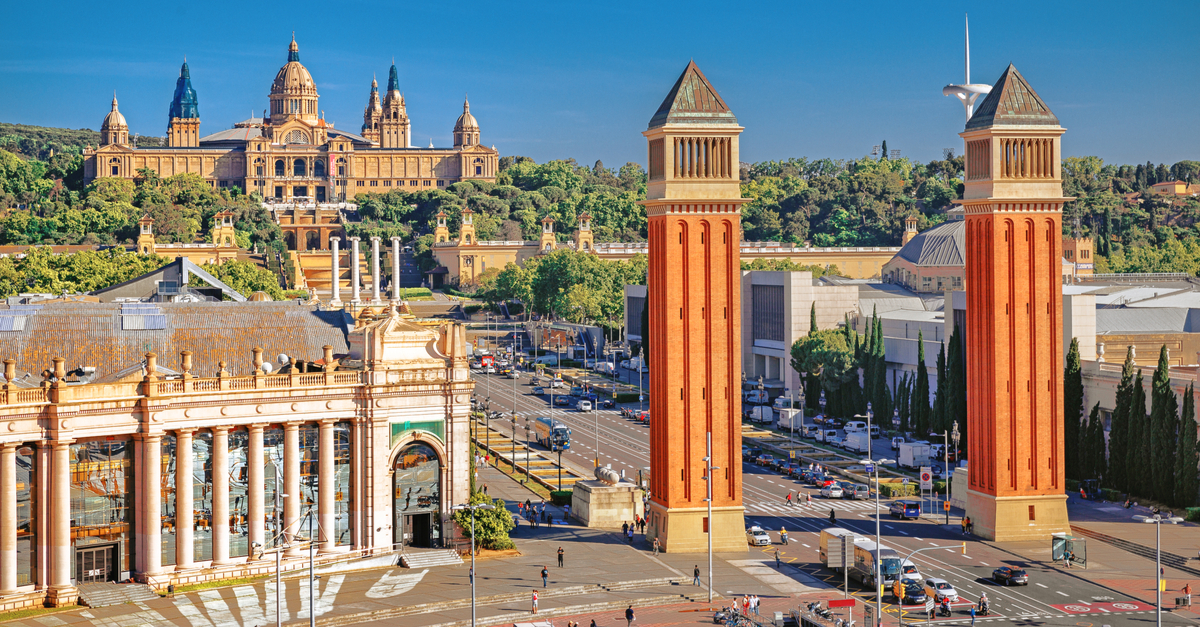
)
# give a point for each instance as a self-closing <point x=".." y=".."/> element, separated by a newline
<point x="60" y="370"/>
<point x="1100" y="352"/>
<point x="258" y="359"/>
<point x="221" y="371"/>
<point x="327" y="357"/>
<point x="185" y="363"/>
<point x="10" y="370"/>
<point x="292" y="365"/>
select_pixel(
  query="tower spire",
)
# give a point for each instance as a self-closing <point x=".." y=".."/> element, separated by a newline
<point x="967" y="92"/>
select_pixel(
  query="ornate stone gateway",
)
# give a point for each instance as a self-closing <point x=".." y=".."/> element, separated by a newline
<point x="416" y="481"/>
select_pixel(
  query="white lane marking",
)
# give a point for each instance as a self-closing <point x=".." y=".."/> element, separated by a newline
<point x="920" y="539"/>
<point x="805" y="546"/>
<point x="1085" y="603"/>
<point x="900" y="532"/>
<point x="1062" y="593"/>
<point x="390" y="585"/>
<point x="1042" y="585"/>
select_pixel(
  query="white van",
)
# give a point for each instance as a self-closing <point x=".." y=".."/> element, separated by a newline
<point x="547" y="360"/>
<point x="756" y="397"/>
<point x="584" y="406"/>
<point x="854" y="426"/>
<point x="783" y="402"/>
<point x="825" y="435"/>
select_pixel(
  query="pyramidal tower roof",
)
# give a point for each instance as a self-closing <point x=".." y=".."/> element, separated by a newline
<point x="1012" y="103"/>
<point x="693" y="100"/>
<point x="184" y="104"/>
<point x="393" y="79"/>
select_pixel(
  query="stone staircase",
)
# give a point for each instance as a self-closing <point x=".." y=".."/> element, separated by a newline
<point x="315" y="270"/>
<point x="105" y="594"/>
<point x="429" y="559"/>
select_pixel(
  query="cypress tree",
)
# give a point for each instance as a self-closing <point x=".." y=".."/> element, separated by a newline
<point x="1119" y="446"/>
<point x="812" y="319"/>
<point x="1095" y="446"/>
<point x="1106" y="234"/>
<point x="1186" y="481"/>
<point x="1073" y="434"/>
<point x="956" y="401"/>
<point x="937" y="421"/>
<point x="883" y="400"/>
<point x="903" y="394"/>
<point x="920" y="394"/>
<point x="1137" y="460"/>
<point x="1164" y="421"/>
<point x="885" y="155"/>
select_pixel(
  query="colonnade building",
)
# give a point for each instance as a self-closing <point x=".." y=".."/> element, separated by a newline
<point x="292" y="153"/>
<point x="129" y="458"/>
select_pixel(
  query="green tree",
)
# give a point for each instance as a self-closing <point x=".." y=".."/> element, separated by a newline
<point x="904" y="402"/>
<point x="1120" y="446"/>
<point x="1073" y="435"/>
<point x="920" y="394"/>
<point x="246" y="278"/>
<point x="1138" y="460"/>
<point x="812" y="318"/>
<point x="1186" y="481"/>
<point x="1164" y="428"/>
<point x="491" y="525"/>
<point x="827" y="356"/>
<point x="956" y="398"/>
<point x="884" y="150"/>
<point x="937" y="420"/>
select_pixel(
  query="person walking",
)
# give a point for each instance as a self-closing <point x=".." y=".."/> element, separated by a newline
<point x="696" y="575"/>
<point x="972" y="615"/>
<point x="788" y="501"/>
<point x="656" y="546"/>
<point x="1187" y="593"/>
<point x="545" y="576"/>
<point x="808" y="499"/>
<point x="777" y="563"/>
<point x="754" y="604"/>
<point x="832" y="517"/>
<point x="560" y="557"/>
<point x="535" y="601"/>
<point x="624" y="528"/>
<point x="964" y="525"/>
<point x="629" y="616"/>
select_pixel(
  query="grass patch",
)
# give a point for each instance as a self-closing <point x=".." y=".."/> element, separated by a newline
<point x="35" y="611"/>
<point x="217" y="584"/>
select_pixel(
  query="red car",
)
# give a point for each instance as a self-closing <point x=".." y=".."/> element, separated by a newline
<point x="825" y="481"/>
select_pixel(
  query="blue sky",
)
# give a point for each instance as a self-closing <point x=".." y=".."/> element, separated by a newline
<point x="558" y="80"/>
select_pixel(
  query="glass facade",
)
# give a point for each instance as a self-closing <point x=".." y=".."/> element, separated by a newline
<point x="202" y="499"/>
<point x="167" y="483"/>
<point x="310" y="458"/>
<point x="101" y="485"/>
<point x="273" y="480"/>
<point x="26" y="459"/>
<point x="417" y="497"/>
<point x="341" y="474"/>
<point x="239" y="493"/>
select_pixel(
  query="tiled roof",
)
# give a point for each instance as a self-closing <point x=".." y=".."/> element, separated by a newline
<point x="88" y="334"/>
<point x="1012" y="103"/>
<point x="233" y="134"/>
<point x="692" y="100"/>
<point x="943" y="245"/>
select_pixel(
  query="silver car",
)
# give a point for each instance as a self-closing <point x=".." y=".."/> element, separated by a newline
<point x="940" y="589"/>
<point x="757" y="537"/>
<point x="832" y="491"/>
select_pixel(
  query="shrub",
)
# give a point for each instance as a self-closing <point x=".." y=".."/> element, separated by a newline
<point x="1192" y="514"/>
<point x="894" y="490"/>
<point x="471" y="310"/>
<point x="939" y="487"/>
<point x="1112" y="495"/>
<point x="1072" y="485"/>
<point x="560" y="497"/>
<point x="491" y="525"/>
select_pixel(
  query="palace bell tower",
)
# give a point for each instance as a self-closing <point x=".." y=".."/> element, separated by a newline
<point x="183" y="129"/>
<point x="1013" y="206"/>
<point x="693" y="205"/>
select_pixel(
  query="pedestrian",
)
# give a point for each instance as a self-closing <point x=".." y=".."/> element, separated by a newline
<point x="745" y="605"/>
<point x="624" y="528"/>
<point x="1187" y="593"/>
<point x="754" y="604"/>
<point x="777" y="563"/>
<point x="696" y="575"/>
<point x="629" y="616"/>
<point x="964" y="525"/>
<point x="485" y="488"/>
<point x="642" y="525"/>
<point x="1067" y="558"/>
<point x="560" y="557"/>
<point x="566" y="511"/>
<point x="832" y="517"/>
<point x="545" y="576"/>
<point x="972" y="615"/>
<point x="788" y="501"/>
<point x="931" y="611"/>
<point x="630" y="534"/>
<point x="535" y="601"/>
<point x="656" y="546"/>
<point x="808" y="499"/>
<point x="593" y="623"/>
<point x="783" y="535"/>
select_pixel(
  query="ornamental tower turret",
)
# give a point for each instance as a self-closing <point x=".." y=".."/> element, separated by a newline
<point x="294" y="94"/>
<point x="583" y="237"/>
<point x="114" y="130"/>
<point x="1013" y="206"/>
<point x="183" y="127"/>
<point x="549" y="241"/>
<point x="693" y="206"/>
<point x="372" y="114"/>
<point x="466" y="129"/>
<point x="394" y="130"/>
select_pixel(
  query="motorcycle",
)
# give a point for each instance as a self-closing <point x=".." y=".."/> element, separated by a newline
<point x="983" y="609"/>
<point x="944" y="610"/>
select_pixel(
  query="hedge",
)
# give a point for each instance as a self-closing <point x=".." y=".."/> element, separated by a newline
<point x="1072" y="485"/>
<point x="939" y="487"/>
<point x="894" y="490"/>
<point x="1112" y="495"/>
<point x="1192" y="514"/>
<point x="560" y="497"/>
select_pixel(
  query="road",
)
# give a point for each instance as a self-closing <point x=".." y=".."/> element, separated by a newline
<point x="1055" y="596"/>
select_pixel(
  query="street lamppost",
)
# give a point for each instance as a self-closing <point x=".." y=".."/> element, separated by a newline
<point x="953" y="437"/>
<point x="708" y="477"/>
<point x="278" y="549"/>
<point x="1157" y="520"/>
<point x="822" y="401"/>
<point x="872" y="465"/>
<point x="472" y="509"/>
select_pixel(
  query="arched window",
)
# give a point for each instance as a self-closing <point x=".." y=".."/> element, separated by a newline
<point x="280" y="167"/>
<point x="298" y="167"/>
<point x="296" y="137"/>
<point x="319" y="168"/>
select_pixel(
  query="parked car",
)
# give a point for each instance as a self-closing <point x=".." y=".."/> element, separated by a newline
<point x="908" y="592"/>
<point x="608" y="403"/>
<point x="1008" y="576"/>
<point x="940" y="589"/>
<point x="537" y="389"/>
<point x="764" y="460"/>
<point x="757" y="537"/>
<point x="896" y="442"/>
<point x="556" y="382"/>
<point x="583" y="406"/>
<point x="832" y="491"/>
<point x="836" y="441"/>
<point x="905" y="509"/>
<point x="852" y="491"/>
<point x="826" y="480"/>
<point x="577" y="390"/>
<point x="562" y="401"/>
<point x="833" y="423"/>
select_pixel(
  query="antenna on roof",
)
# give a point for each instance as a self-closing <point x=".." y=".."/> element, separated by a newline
<point x="967" y="92"/>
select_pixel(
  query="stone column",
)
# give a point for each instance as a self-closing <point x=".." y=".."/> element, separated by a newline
<point x="327" y="486"/>
<point x="335" y="264"/>
<point x="8" y="518"/>
<point x="60" y="514"/>
<point x="395" y="269"/>
<point x="151" y="558"/>
<point x="375" y="270"/>
<point x="220" y="496"/>
<point x="291" y="484"/>
<point x="185" y="508"/>
<point x="355" y="279"/>
<point x="256" y="517"/>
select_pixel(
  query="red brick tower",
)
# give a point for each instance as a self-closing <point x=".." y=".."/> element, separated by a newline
<point x="1013" y="203"/>
<point x="693" y="204"/>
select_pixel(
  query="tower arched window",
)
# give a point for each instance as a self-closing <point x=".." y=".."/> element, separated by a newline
<point x="280" y="167"/>
<point x="298" y="167"/>
<point x="341" y="167"/>
<point x="319" y="168"/>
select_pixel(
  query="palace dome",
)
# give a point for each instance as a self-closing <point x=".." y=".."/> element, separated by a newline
<point x="466" y="121"/>
<point x="293" y="78"/>
<point x="114" y="119"/>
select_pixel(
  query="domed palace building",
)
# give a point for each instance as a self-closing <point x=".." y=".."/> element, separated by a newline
<point x="292" y="154"/>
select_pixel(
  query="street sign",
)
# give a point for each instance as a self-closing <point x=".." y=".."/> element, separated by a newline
<point x="928" y="604"/>
<point x="946" y="505"/>
<point x="840" y="603"/>
<point x="869" y="468"/>
<point x="791" y="454"/>
<point x="926" y="478"/>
